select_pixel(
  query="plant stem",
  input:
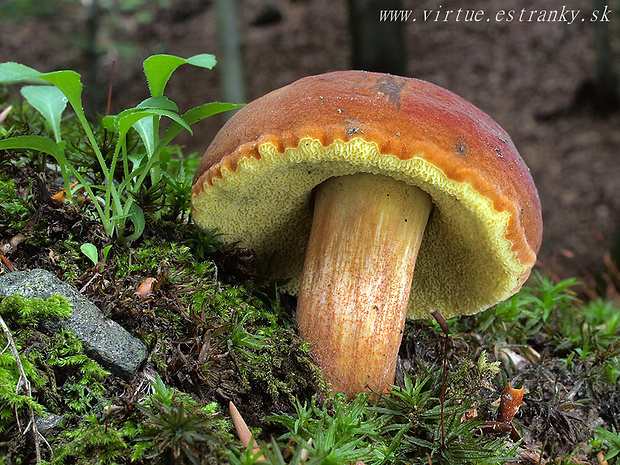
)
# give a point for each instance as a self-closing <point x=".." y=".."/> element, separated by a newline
<point x="446" y="332"/>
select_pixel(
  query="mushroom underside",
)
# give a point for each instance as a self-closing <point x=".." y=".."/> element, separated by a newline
<point x="465" y="263"/>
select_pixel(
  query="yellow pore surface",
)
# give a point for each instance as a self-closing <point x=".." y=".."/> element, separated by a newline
<point x="465" y="263"/>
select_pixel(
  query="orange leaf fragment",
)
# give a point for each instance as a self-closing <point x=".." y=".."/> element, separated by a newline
<point x="509" y="404"/>
<point x="6" y="262"/>
<point x="60" y="196"/>
<point x="147" y="288"/>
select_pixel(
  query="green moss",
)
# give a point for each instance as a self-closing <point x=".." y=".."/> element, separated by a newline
<point x="178" y="430"/>
<point x="92" y="442"/>
<point x="261" y="343"/>
<point x="406" y="427"/>
<point x="151" y="253"/>
<point x="68" y="256"/>
<point x="168" y="426"/>
<point x="233" y="338"/>
<point x="63" y="379"/>
<point x="26" y="313"/>
<point x="76" y="378"/>
<point x="14" y="210"/>
<point x="14" y="403"/>
<point x="472" y="377"/>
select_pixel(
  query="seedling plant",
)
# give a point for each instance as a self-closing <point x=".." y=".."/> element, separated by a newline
<point x="114" y="202"/>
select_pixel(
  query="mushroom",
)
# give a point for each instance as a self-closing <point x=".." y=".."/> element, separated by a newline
<point x="346" y="181"/>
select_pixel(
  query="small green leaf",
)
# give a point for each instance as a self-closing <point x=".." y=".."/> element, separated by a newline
<point x="147" y="134"/>
<point x="204" y="60"/>
<point x="70" y="84"/>
<point x="105" y="252"/>
<point x="14" y="72"/>
<point x="39" y="143"/>
<point x="90" y="251"/>
<point x="162" y="103"/>
<point x="158" y="69"/>
<point x="193" y="116"/>
<point x="137" y="160"/>
<point x="50" y="102"/>
<point x="108" y="122"/>
<point x="136" y="215"/>
<point x="201" y="112"/>
<point x="126" y="119"/>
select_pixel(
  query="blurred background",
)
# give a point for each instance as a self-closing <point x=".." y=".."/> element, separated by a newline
<point x="548" y="77"/>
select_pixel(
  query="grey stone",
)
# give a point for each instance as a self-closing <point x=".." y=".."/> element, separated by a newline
<point x="104" y="340"/>
<point x="49" y="424"/>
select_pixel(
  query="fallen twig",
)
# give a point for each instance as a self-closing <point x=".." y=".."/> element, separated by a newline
<point x="23" y="381"/>
<point x="5" y="113"/>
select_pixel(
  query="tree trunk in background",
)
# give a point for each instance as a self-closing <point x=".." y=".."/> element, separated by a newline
<point x="377" y="45"/>
<point x="615" y="246"/>
<point x="607" y="88"/>
<point x="230" y="57"/>
<point x="93" y="94"/>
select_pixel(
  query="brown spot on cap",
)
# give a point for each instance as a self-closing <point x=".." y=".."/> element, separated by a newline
<point x="391" y="86"/>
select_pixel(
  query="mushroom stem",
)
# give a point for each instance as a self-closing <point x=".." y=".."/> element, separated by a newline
<point x="357" y="276"/>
